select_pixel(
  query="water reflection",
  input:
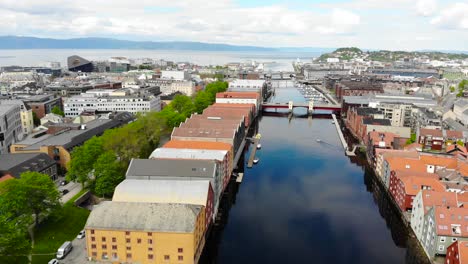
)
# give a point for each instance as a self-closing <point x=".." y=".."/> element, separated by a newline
<point x="307" y="202"/>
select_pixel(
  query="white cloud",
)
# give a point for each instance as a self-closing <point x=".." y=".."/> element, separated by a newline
<point x="454" y="16"/>
<point x="426" y="7"/>
<point x="341" y="22"/>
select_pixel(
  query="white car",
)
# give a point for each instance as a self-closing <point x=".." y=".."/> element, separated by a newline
<point x="81" y="234"/>
<point x="53" y="261"/>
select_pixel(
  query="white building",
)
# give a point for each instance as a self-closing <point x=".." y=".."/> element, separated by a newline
<point x="52" y="118"/>
<point x="185" y="87"/>
<point x="75" y="105"/>
<point x="460" y="109"/>
<point x="175" y="75"/>
<point x="11" y="130"/>
<point x="398" y="114"/>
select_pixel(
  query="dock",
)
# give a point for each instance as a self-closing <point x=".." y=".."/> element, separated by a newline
<point x="240" y="177"/>
<point x="253" y="152"/>
<point x="342" y="139"/>
<point x="239" y="153"/>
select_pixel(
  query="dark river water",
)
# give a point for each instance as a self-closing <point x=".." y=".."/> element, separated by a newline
<point x="306" y="202"/>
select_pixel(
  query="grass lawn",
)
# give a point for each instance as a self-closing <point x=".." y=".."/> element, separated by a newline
<point x="15" y="260"/>
<point x="62" y="226"/>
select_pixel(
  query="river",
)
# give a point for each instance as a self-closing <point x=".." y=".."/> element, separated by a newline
<point x="306" y="202"/>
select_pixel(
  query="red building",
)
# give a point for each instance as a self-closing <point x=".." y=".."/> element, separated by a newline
<point x="357" y="88"/>
<point x="404" y="186"/>
<point x="457" y="253"/>
<point x="431" y="138"/>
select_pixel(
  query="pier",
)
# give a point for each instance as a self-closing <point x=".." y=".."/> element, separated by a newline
<point x="342" y="139"/>
<point x="256" y="140"/>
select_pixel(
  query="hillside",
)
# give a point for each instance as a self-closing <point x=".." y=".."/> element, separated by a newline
<point x="389" y="56"/>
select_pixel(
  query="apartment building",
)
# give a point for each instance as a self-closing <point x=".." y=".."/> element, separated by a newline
<point x="11" y="130"/>
<point x="91" y="101"/>
<point x="133" y="232"/>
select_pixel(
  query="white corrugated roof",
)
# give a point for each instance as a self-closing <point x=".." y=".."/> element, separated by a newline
<point x="163" y="191"/>
<point x="174" y="153"/>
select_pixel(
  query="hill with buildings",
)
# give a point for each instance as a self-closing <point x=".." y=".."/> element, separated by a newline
<point x="389" y="56"/>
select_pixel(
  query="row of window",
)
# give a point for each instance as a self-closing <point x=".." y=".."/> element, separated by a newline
<point x="104" y="255"/>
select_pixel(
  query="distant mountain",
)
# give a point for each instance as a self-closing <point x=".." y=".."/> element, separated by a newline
<point x="15" y="42"/>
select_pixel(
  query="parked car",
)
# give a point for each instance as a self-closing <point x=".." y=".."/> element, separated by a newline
<point x="65" y="191"/>
<point x="63" y="183"/>
<point x="64" y="249"/>
<point x="81" y="234"/>
<point x="53" y="261"/>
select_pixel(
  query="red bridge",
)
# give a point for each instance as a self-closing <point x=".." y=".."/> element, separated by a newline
<point x="292" y="105"/>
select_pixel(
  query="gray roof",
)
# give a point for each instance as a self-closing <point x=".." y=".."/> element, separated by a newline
<point x="163" y="191"/>
<point x="73" y="138"/>
<point x="175" y="153"/>
<point x="76" y="61"/>
<point x="461" y="103"/>
<point x="151" y="168"/>
<point x="149" y="217"/>
<point x="17" y="163"/>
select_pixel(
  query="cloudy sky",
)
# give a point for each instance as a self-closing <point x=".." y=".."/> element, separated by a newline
<point x="372" y="24"/>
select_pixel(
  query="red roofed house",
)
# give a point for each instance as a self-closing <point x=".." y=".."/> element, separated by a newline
<point x="404" y="187"/>
<point x="432" y="139"/>
<point x="444" y="225"/>
<point x="457" y="253"/>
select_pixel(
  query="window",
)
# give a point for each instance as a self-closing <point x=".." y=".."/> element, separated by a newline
<point x="150" y="256"/>
<point x="139" y="240"/>
<point x="129" y="255"/>
<point x="104" y="246"/>
<point x="129" y="248"/>
<point x="150" y="241"/>
<point x="180" y="250"/>
<point x="92" y="231"/>
<point x="166" y="257"/>
<point x="150" y="234"/>
<point x="454" y="239"/>
<point x="93" y="245"/>
<point x="114" y="239"/>
<point x="441" y="248"/>
<point x="127" y="233"/>
<point x="114" y="247"/>
<point x="93" y="239"/>
<point x="104" y="255"/>
<point x="442" y="239"/>
<point x="127" y="240"/>
<point x="94" y="254"/>
<point x="103" y="239"/>
<point x="114" y="255"/>
<point x="180" y="258"/>
<point x="150" y="249"/>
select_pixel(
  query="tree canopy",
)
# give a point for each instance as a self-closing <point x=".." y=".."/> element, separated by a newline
<point x="33" y="194"/>
<point x="56" y="110"/>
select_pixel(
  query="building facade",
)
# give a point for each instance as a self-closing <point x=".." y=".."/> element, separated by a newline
<point x="11" y="130"/>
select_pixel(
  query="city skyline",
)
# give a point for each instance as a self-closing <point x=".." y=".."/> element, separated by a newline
<point x="368" y="24"/>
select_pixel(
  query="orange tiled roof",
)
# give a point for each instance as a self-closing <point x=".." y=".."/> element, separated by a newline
<point x="462" y="252"/>
<point x="252" y="95"/>
<point x="448" y="162"/>
<point x="454" y="133"/>
<point x="198" y="145"/>
<point x="430" y="132"/>
<point x="445" y="217"/>
<point x="434" y="198"/>
<point x="406" y="164"/>
<point x="414" y="184"/>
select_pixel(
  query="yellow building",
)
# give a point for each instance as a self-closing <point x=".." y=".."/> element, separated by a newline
<point x="131" y="232"/>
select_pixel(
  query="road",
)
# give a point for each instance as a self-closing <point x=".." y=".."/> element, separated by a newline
<point x="73" y="189"/>
<point x="78" y="253"/>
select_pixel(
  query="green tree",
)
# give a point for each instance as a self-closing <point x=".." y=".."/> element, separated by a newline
<point x="14" y="218"/>
<point x="172" y="117"/>
<point x="56" y="110"/>
<point x="452" y="89"/>
<point x="32" y="194"/>
<point x="109" y="173"/>
<point x="202" y="100"/>
<point x="36" y="120"/>
<point x="461" y="87"/>
<point x="83" y="158"/>
<point x="183" y="105"/>
<point x="219" y="76"/>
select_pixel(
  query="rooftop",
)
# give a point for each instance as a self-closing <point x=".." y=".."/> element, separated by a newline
<point x="198" y="145"/>
<point x="174" y="153"/>
<point x="149" y="217"/>
<point x="163" y="191"/>
<point x="17" y="163"/>
<point x="153" y="168"/>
